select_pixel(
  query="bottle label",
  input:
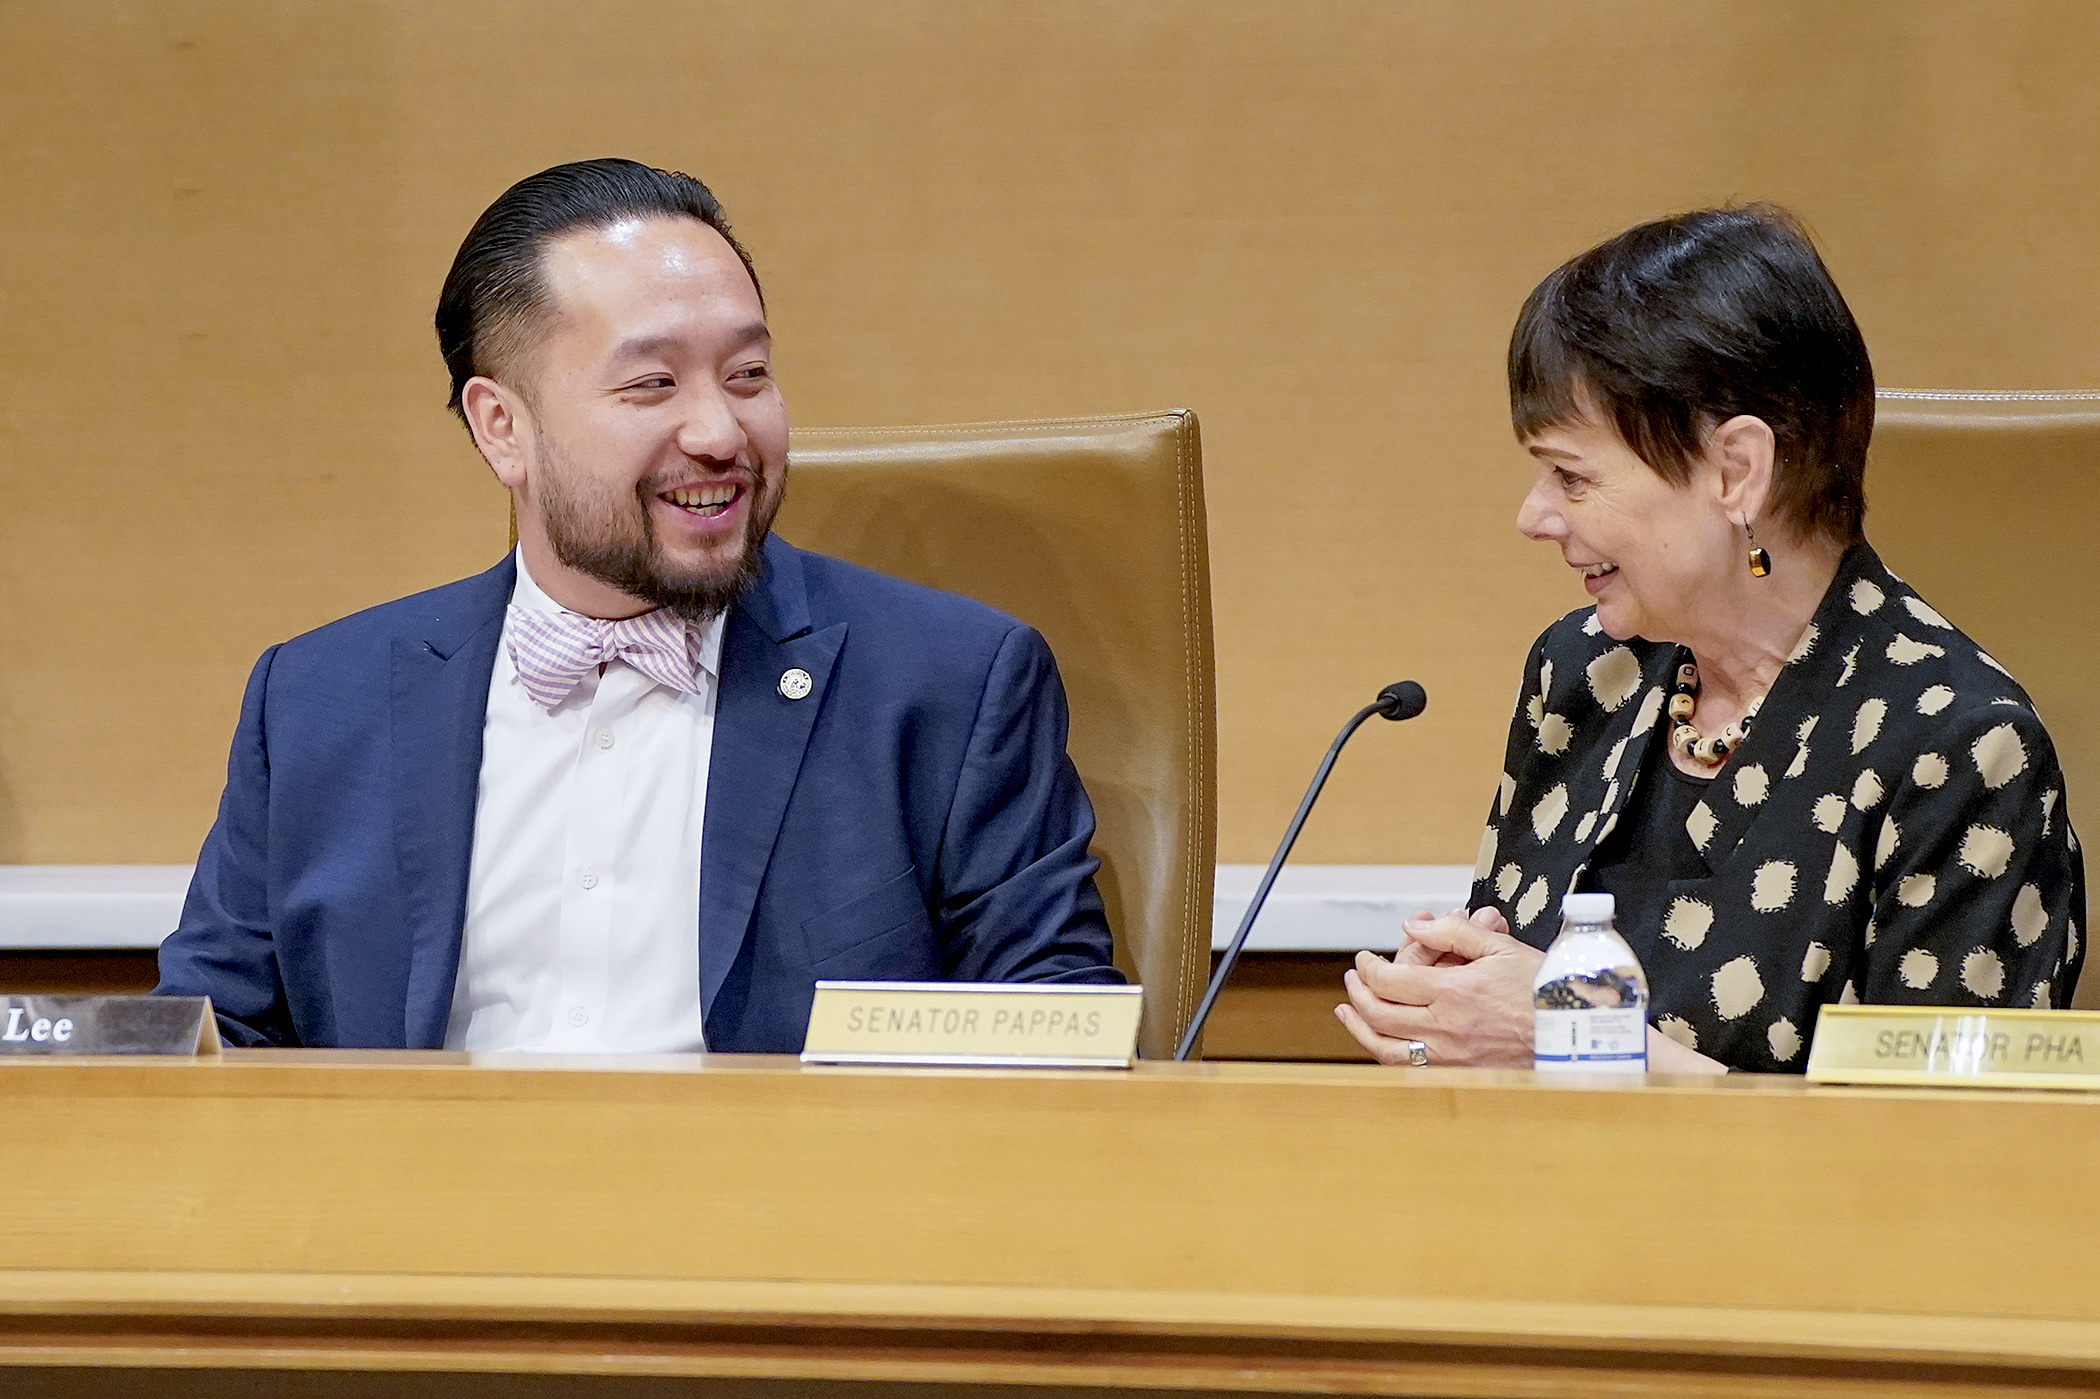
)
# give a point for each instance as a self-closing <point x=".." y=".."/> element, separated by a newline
<point x="1593" y="1041"/>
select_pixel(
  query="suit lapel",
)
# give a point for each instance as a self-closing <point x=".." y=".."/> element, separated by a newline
<point x="760" y="737"/>
<point x="1823" y="664"/>
<point x="440" y="691"/>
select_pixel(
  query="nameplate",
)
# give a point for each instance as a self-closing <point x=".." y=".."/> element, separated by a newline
<point x="1956" y="1048"/>
<point x="46" y="1025"/>
<point x="996" y="1025"/>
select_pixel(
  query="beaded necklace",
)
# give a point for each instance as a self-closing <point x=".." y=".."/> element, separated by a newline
<point x="1707" y="752"/>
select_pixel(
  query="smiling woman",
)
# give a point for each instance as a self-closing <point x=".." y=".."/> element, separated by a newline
<point x="1824" y="791"/>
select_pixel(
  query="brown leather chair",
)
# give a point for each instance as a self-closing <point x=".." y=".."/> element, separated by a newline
<point x="1987" y="502"/>
<point x="1092" y="531"/>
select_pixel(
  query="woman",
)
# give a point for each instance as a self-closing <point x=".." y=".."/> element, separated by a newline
<point x="1801" y="783"/>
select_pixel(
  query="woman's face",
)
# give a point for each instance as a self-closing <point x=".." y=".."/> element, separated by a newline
<point x="1649" y="552"/>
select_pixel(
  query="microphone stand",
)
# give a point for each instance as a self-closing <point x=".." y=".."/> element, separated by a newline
<point x="1396" y="702"/>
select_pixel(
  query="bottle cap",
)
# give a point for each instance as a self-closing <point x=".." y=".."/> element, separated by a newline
<point x="1588" y="908"/>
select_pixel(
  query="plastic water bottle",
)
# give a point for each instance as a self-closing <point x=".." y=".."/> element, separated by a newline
<point x="1590" y="999"/>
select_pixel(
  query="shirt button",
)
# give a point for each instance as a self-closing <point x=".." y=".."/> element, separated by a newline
<point x="579" y="1017"/>
<point x="605" y="738"/>
<point x="589" y="880"/>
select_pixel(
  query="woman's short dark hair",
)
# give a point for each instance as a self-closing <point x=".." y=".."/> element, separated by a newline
<point x="494" y="290"/>
<point x="1676" y="326"/>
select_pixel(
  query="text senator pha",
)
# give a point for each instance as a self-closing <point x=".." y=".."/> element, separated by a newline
<point x="1997" y="1047"/>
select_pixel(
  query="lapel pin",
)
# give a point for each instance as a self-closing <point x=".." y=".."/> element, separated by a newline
<point x="794" y="683"/>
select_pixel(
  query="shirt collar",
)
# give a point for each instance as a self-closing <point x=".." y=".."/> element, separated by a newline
<point x="526" y="592"/>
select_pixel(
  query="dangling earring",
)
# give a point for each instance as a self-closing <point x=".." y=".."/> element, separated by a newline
<point x="1760" y="561"/>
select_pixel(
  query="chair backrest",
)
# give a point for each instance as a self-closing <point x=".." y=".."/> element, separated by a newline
<point x="1986" y="502"/>
<point x="1091" y="530"/>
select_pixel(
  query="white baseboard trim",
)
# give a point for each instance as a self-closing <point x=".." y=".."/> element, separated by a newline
<point x="1313" y="908"/>
<point x="1333" y="908"/>
<point x="61" y="908"/>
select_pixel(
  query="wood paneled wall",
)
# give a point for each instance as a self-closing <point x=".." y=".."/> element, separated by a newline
<point x="226" y="222"/>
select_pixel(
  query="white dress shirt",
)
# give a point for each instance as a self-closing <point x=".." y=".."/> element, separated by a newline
<point x="583" y="898"/>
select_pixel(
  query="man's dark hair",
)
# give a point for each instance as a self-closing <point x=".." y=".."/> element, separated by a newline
<point x="495" y="291"/>
<point x="1674" y="327"/>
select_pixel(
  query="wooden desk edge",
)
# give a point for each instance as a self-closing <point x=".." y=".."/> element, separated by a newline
<point x="432" y="1073"/>
<point x="332" y="1311"/>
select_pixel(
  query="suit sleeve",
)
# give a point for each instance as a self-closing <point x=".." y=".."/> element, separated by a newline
<point x="222" y="947"/>
<point x="1015" y="893"/>
<point x="1495" y="841"/>
<point x="1978" y="884"/>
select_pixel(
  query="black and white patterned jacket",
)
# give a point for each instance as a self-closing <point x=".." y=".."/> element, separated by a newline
<point x="1892" y="831"/>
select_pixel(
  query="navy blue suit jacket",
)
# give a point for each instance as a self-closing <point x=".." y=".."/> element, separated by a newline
<point x="914" y="818"/>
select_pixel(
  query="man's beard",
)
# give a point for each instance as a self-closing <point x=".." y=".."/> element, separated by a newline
<point x="602" y="539"/>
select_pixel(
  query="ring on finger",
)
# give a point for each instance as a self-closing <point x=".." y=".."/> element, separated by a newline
<point x="1417" y="1054"/>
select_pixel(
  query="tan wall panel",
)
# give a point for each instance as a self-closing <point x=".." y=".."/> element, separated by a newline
<point x="1312" y="223"/>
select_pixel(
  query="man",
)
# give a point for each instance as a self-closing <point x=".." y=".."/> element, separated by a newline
<point x="642" y="784"/>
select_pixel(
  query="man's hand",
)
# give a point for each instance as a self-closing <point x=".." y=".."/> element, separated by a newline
<point x="1461" y="986"/>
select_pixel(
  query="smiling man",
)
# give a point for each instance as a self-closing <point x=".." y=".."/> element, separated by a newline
<point x="642" y="784"/>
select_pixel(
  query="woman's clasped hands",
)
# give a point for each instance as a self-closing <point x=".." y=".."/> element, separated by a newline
<point x="1459" y="986"/>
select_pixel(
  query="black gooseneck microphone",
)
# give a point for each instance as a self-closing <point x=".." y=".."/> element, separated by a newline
<point x="1403" y="700"/>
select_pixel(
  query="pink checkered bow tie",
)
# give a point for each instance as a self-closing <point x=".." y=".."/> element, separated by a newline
<point x="554" y="650"/>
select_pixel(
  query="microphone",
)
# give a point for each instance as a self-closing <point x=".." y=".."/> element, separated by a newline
<point x="1403" y="700"/>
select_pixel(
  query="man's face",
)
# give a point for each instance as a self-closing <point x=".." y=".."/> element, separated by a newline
<point x="656" y="451"/>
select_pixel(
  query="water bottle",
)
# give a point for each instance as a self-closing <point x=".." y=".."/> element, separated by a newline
<point x="1590" y="999"/>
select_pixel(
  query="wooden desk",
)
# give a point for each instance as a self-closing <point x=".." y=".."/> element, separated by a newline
<point x="1267" y="1227"/>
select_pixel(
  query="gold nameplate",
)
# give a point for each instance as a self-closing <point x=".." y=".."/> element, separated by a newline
<point x="1955" y="1048"/>
<point x="997" y="1025"/>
